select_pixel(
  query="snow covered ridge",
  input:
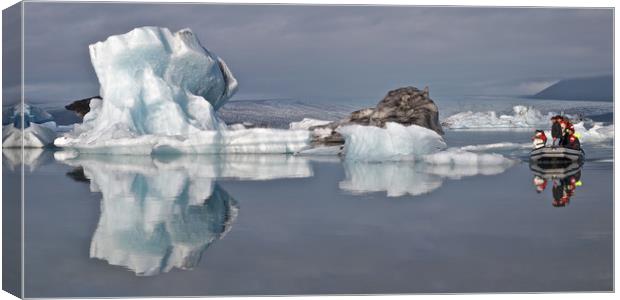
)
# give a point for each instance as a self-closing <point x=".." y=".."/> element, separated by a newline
<point x="522" y="117"/>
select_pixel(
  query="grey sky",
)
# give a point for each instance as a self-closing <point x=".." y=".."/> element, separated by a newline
<point x="328" y="52"/>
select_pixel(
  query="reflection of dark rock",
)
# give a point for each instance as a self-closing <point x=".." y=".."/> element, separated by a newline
<point x="81" y="107"/>
<point x="406" y="106"/>
<point x="77" y="174"/>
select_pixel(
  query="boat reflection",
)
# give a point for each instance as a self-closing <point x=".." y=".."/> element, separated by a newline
<point x="564" y="178"/>
<point x="160" y="213"/>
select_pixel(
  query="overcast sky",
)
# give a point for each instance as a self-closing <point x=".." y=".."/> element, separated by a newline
<point x="330" y="52"/>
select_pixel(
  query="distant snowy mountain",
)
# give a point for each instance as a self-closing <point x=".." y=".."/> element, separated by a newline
<point x="599" y="88"/>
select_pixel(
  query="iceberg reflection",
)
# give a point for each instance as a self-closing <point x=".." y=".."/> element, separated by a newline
<point x="32" y="158"/>
<point x="402" y="178"/>
<point x="160" y="213"/>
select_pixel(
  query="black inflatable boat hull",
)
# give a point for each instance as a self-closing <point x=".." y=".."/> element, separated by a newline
<point x="555" y="155"/>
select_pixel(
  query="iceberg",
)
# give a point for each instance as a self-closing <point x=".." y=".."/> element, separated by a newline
<point x="598" y="133"/>
<point x="28" y="126"/>
<point x="522" y="117"/>
<point x="31" y="114"/>
<point x="33" y="136"/>
<point x="394" y="142"/>
<point x="160" y="93"/>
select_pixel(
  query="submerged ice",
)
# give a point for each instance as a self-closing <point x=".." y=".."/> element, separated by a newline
<point x="160" y="93"/>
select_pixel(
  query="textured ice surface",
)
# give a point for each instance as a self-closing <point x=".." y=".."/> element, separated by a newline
<point x="596" y="134"/>
<point x="522" y="117"/>
<point x="160" y="213"/>
<point x="394" y="142"/>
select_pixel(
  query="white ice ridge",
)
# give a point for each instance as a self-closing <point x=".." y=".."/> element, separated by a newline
<point x="161" y="91"/>
<point x="408" y="178"/>
<point x="306" y="123"/>
<point x="522" y="117"/>
<point x="160" y="213"/>
<point x="394" y="142"/>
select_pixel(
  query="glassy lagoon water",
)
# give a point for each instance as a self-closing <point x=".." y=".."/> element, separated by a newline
<point x="110" y="226"/>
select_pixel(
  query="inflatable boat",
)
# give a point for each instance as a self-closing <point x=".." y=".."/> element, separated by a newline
<point x="556" y="155"/>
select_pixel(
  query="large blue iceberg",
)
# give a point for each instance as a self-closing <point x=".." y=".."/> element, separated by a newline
<point x="160" y="93"/>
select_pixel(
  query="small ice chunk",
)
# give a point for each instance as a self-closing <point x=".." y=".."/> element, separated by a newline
<point x="33" y="136"/>
<point x="394" y="142"/>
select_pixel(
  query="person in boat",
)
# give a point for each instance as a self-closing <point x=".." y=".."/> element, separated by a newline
<point x="572" y="141"/>
<point x="556" y="129"/>
<point x="539" y="139"/>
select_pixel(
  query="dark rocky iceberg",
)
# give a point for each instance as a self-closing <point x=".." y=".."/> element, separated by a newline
<point x="406" y="106"/>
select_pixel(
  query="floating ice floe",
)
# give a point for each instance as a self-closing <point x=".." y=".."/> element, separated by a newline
<point x="595" y="134"/>
<point x="522" y="117"/>
<point x="33" y="136"/>
<point x="394" y="142"/>
<point x="28" y="126"/>
<point x="160" y="213"/>
<point x="161" y="91"/>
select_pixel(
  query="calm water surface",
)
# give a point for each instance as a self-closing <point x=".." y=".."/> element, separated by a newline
<point x="273" y="224"/>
